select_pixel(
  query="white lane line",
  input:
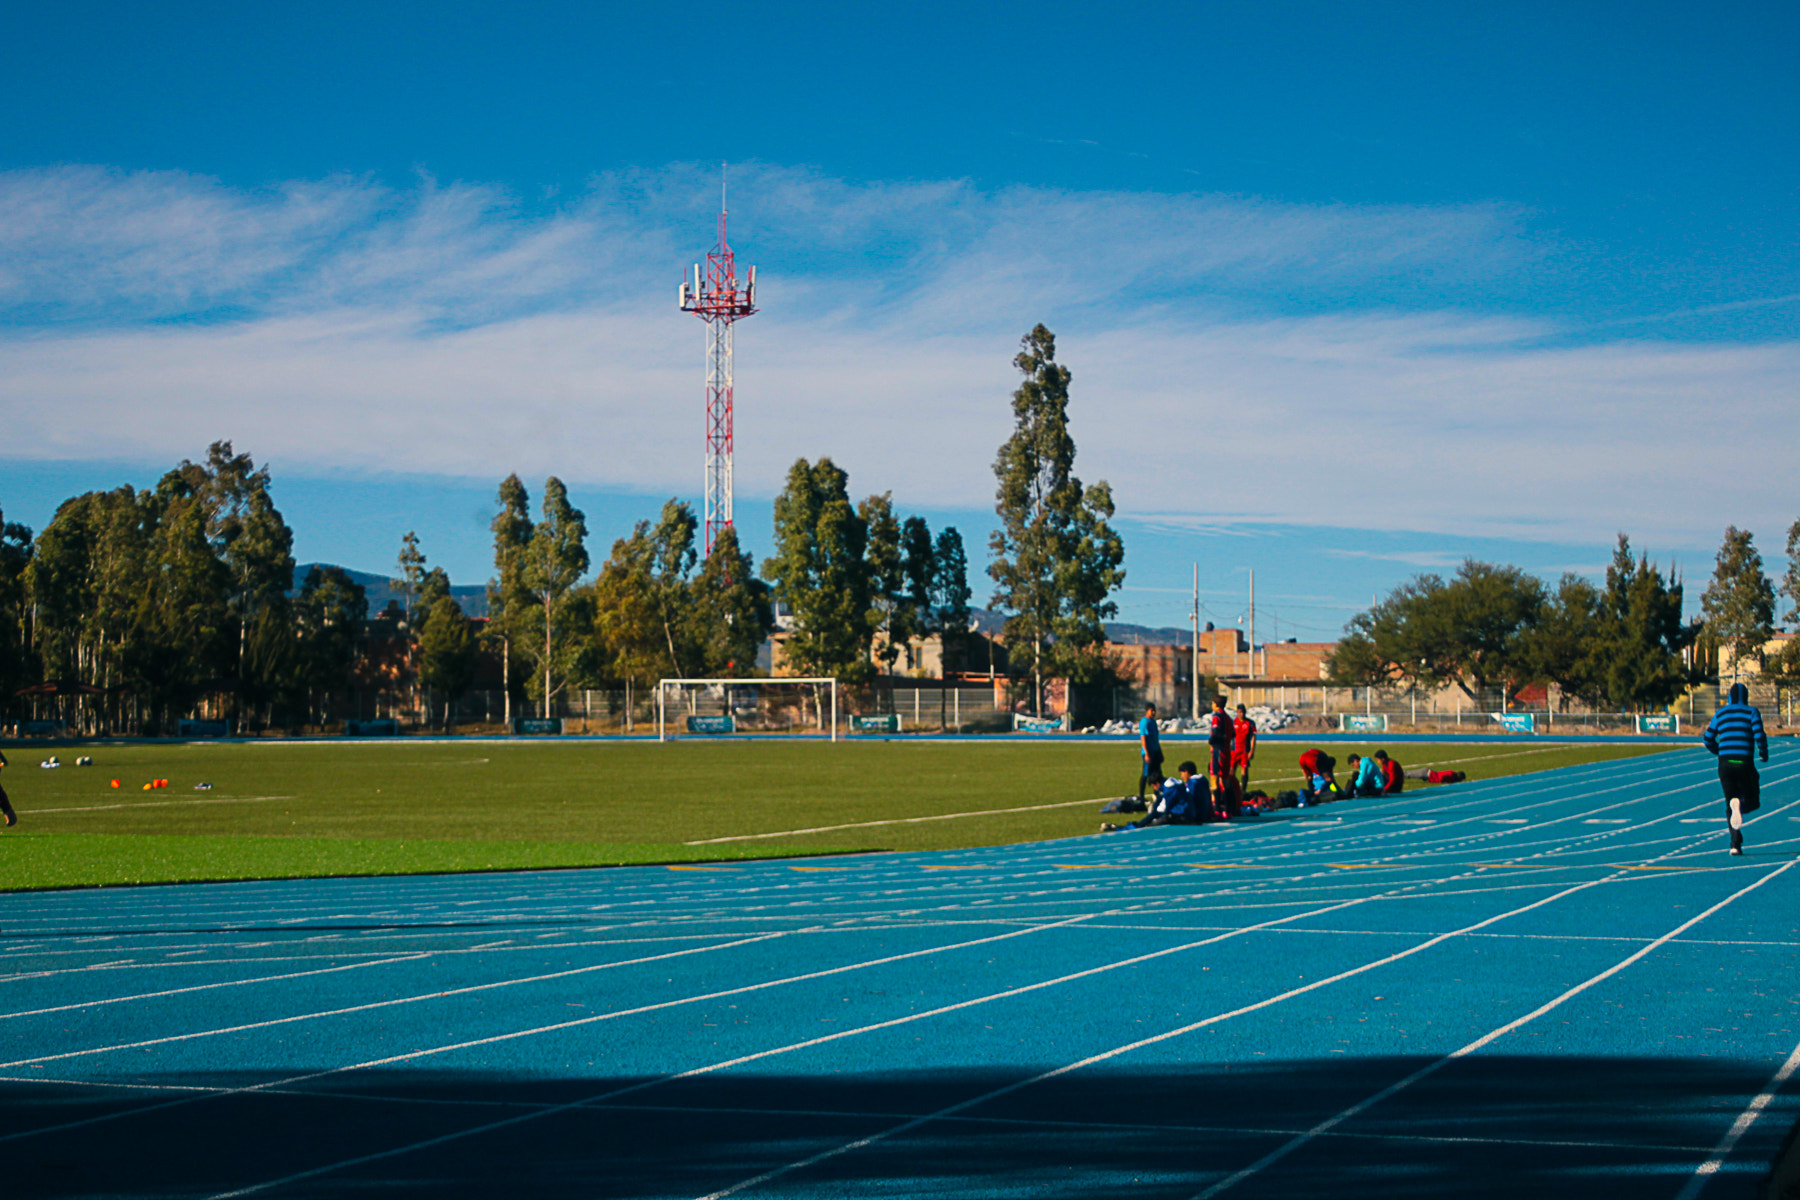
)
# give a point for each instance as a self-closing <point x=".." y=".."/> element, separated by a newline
<point x="204" y="987"/>
<point x="960" y="1106"/>
<point x="758" y="1055"/>
<point x="1281" y="1152"/>
<point x="986" y="812"/>
<point x="561" y="1025"/>
<point x="162" y="804"/>
<point x="354" y="1008"/>
<point x="1707" y="1169"/>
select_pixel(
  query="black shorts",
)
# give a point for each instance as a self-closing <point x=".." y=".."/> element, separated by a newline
<point x="1738" y="777"/>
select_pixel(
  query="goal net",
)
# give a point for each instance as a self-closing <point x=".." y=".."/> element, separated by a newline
<point x="719" y="707"/>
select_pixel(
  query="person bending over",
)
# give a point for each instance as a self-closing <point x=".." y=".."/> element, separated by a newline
<point x="1318" y="774"/>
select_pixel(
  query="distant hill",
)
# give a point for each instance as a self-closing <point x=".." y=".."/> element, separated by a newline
<point x="379" y="590"/>
<point x="1117" y="632"/>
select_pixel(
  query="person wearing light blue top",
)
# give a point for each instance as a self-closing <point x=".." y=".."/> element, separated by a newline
<point x="1366" y="778"/>
<point x="1736" y="730"/>
<point x="1150" y="753"/>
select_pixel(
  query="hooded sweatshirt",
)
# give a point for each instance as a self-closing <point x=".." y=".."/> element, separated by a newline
<point x="1737" y="727"/>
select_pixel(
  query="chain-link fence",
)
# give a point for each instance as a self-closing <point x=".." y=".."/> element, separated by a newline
<point x="1413" y="710"/>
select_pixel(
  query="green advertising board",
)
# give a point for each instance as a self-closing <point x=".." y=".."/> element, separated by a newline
<point x="537" y="726"/>
<point x="721" y="724"/>
<point x="875" y="723"/>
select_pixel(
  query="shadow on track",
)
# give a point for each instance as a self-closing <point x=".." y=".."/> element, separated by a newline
<point x="1583" y="1128"/>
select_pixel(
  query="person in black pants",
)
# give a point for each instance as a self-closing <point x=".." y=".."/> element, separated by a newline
<point x="1735" y="730"/>
<point x="6" y="809"/>
<point x="1149" y="752"/>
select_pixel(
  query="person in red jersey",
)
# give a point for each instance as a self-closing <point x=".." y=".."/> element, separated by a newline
<point x="1243" y="748"/>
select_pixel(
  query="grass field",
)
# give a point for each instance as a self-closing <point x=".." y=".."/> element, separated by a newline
<point x="289" y="809"/>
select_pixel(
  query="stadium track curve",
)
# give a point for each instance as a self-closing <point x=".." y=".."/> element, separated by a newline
<point x="1550" y="984"/>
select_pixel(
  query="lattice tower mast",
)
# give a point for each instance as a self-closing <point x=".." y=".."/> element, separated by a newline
<point x="712" y="294"/>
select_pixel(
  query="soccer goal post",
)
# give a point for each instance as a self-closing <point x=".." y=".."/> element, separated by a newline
<point x="726" y="706"/>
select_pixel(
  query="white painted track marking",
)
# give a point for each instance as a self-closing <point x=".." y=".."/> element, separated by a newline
<point x="1361" y="1106"/>
<point x="1714" y="1161"/>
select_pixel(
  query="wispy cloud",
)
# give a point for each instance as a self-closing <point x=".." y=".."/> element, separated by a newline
<point x="1238" y="363"/>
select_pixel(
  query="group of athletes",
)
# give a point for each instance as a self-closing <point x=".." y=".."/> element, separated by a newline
<point x="1735" y="735"/>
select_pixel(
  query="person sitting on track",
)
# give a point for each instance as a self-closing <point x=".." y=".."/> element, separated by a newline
<point x="1183" y="800"/>
<point x="1393" y="772"/>
<point x="1366" y="778"/>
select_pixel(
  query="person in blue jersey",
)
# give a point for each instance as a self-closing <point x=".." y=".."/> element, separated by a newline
<point x="1734" y="733"/>
<point x="1149" y="752"/>
<point x="1180" y="801"/>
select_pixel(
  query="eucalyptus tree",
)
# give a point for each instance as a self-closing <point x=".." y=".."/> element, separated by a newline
<point x="15" y="625"/>
<point x="1057" y="560"/>
<point x="510" y="601"/>
<point x="887" y="577"/>
<point x="1643" y="634"/>
<point x="1739" y="604"/>
<point x="554" y="561"/>
<point x="447" y="652"/>
<point x="821" y="574"/>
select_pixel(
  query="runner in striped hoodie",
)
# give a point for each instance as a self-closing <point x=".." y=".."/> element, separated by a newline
<point x="1737" y="729"/>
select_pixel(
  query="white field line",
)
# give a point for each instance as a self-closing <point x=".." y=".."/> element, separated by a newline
<point x="762" y="1054"/>
<point x="748" y="837"/>
<point x="1484" y="1040"/>
<point x="1707" y="1169"/>
<point x="987" y="812"/>
<point x="160" y="804"/>
<point x="1103" y="1056"/>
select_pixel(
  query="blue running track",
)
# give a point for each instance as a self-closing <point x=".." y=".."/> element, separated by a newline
<point x="1552" y="985"/>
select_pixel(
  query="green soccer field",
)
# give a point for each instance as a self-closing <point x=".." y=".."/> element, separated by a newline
<point x="285" y="809"/>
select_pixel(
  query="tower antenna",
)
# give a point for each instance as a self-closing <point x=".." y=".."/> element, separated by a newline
<point x="712" y="294"/>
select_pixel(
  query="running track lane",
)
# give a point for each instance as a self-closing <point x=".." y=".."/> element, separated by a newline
<point x="1553" y="984"/>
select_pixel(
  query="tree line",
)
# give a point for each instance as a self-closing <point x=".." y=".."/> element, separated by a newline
<point x="157" y="599"/>
<point x="1623" y="644"/>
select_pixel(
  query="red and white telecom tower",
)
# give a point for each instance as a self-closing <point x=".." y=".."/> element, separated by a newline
<point x="715" y="298"/>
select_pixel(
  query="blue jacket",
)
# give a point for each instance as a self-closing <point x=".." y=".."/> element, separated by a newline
<point x="1191" y="801"/>
<point x="1737" y="727"/>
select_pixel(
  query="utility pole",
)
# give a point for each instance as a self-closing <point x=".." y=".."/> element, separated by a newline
<point x="1194" y="671"/>
<point x="1253" y="620"/>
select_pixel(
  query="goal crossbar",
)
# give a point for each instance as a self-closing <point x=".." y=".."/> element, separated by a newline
<point x="663" y="685"/>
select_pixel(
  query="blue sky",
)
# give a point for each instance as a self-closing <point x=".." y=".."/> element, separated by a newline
<point x="1349" y="291"/>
